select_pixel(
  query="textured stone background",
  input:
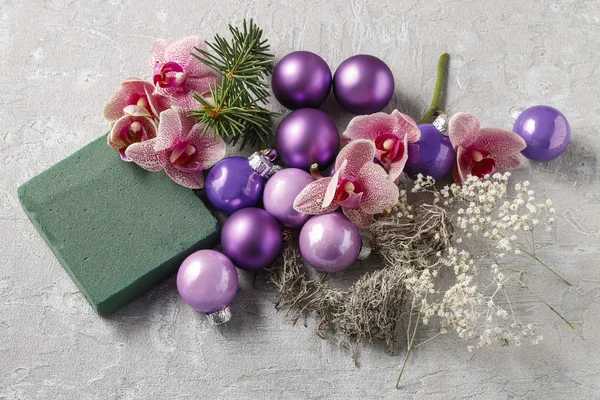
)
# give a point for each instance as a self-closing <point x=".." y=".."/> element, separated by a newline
<point x="61" y="60"/>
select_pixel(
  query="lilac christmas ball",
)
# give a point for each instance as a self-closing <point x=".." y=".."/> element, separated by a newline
<point x="330" y="242"/>
<point x="307" y="136"/>
<point x="207" y="281"/>
<point x="232" y="184"/>
<point x="432" y="155"/>
<point x="251" y="238"/>
<point x="301" y="79"/>
<point x="281" y="191"/>
<point x="363" y="84"/>
<point x="545" y="130"/>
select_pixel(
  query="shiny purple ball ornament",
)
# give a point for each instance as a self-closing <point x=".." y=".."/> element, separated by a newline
<point x="545" y="130"/>
<point x="251" y="238"/>
<point x="237" y="182"/>
<point x="330" y="242"/>
<point x="281" y="191"/>
<point x="432" y="155"/>
<point x="301" y="79"/>
<point x="307" y="136"/>
<point x="363" y="84"/>
<point x="207" y="281"/>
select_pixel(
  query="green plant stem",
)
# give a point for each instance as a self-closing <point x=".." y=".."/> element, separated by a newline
<point x="408" y="349"/>
<point x="439" y="87"/>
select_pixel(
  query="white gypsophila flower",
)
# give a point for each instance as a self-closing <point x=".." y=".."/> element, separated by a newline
<point x="475" y="302"/>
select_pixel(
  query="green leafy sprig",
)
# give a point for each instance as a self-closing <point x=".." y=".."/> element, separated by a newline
<point x="236" y="108"/>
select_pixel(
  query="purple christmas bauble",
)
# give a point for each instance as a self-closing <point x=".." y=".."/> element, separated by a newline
<point x="307" y="136"/>
<point x="232" y="184"/>
<point x="363" y="84"/>
<point x="281" y="191"/>
<point x="330" y="242"/>
<point x="301" y="79"/>
<point x="251" y="238"/>
<point x="432" y="155"/>
<point x="207" y="281"/>
<point x="545" y="130"/>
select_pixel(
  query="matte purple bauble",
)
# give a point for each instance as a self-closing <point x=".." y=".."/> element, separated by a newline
<point x="251" y="238"/>
<point x="232" y="184"/>
<point x="545" y="130"/>
<point x="307" y="136"/>
<point x="281" y="191"/>
<point x="301" y="79"/>
<point x="330" y="242"/>
<point x="207" y="281"/>
<point x="363" y="84"/>
<point x="432" y="155"/>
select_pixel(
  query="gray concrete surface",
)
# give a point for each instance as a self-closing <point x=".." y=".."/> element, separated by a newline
<point x="61" y="60"/>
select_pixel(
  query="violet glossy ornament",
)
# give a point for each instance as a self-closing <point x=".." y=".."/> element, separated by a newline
<point x="363" y="84"/>
<point x="237" y="182"/>
<point x="207" y="281"/>
<point x="432" y="155"/>
<point x="330" y="242"/>
<point x="251" y="238"/>
<point x="301" y="79"/>
<point x="545" y="130"/>
<point x="281" y="191"/>
<point x="307" y="136"/>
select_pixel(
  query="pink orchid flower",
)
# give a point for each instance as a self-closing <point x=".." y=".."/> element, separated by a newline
<point x="136" y="125"/>
<point x="178" y="75"/>
<point x="134" y="92"/>
<point x="481" y="152"/>
<point x="180" y="148"/>
<point x="361" y="187"/>
<point x="391" y="134"/>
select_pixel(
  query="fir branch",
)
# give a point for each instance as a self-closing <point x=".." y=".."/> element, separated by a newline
<point x="237" y="109"/>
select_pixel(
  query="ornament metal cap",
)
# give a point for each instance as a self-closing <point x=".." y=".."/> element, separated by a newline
<point x="262" y="162"/>
<point x="515" y="111"/>
<point x="441" y="123"/>
<point x="219" y="317"/>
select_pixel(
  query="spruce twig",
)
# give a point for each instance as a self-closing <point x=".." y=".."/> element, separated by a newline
<point x="236" y="108"/>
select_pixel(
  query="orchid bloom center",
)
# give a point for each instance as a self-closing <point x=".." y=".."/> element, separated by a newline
<point x="483" y="163"/>
<point x="168" y="75"/>
<point x="389" y="148"/>
<point x="133" y="133"/>
<point x="185" y="157"/>
<point x="348" y="193"/>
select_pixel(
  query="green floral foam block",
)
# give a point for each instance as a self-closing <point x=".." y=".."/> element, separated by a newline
<point x="116" y="229"/>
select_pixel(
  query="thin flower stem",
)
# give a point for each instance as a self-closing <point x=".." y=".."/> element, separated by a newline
<point x="526" y="286"/>
<point x="409" y="348"/>
<point x="439" y="87"/>
<point x="546" y="265"/>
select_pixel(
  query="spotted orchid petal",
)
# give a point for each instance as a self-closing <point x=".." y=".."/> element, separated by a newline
<point x="144" y="155"/>
<point x="333" y="184"/>
<point x="372" y="126"/>
<point x="463" y="129"/>
<point x="174" y="125"/>
<point x="178" y="75"/>
<point x="358" y="217"/>
<point x="463" y="165"/>
<point x="508" y="162"/>
<point x="380" y="193"/>
<point x="355" y="155"/>
<point x="499" y="142"/>
<point x="310" y="199"/>
<point x="130" y="129"/>
<point x="211" y="148"/>
<point x="133" y="91"/>
<point x="192" y="180"/>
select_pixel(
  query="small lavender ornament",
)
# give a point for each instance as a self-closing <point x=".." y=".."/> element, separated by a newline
<point x="207" y="281"/>
<point x="281" y="191"/>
